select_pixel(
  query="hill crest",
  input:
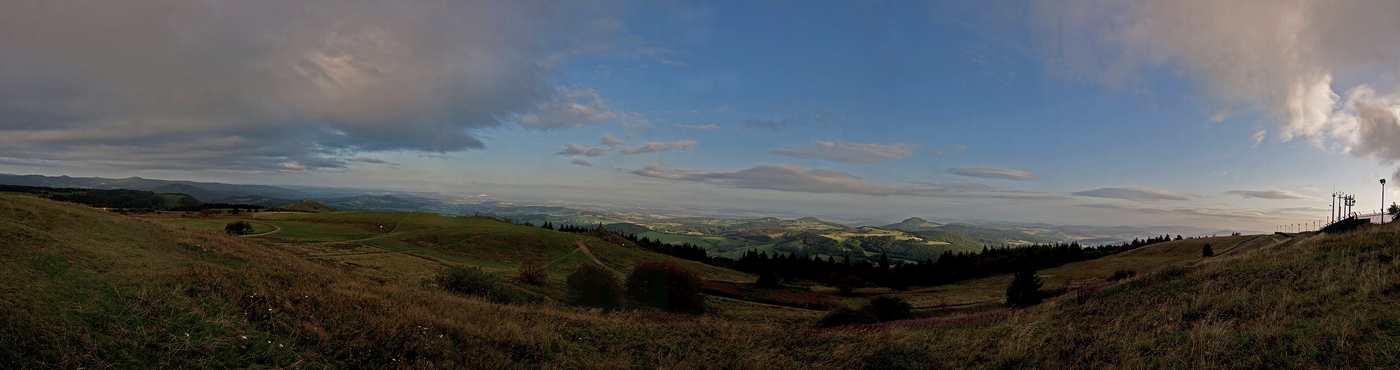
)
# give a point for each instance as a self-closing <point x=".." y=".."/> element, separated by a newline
<point x="309" y="206"/>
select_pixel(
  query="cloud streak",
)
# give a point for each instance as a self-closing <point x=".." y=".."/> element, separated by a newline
<point x="1268" y="194"/>
<point x="1137" y="194"/>
<point x="570" y="149"/>
<point x="842" y="151"/>
<point x="655" y="146"/>
<point x="993" y="173"/>
<point x="791" y="178"/>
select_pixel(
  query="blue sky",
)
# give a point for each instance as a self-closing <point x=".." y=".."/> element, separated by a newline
<point x="1233" y="114"/>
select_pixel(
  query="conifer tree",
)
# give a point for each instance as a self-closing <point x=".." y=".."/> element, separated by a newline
<point x="1024" y="289"/>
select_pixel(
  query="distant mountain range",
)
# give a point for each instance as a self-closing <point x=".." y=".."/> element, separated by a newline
<point x="364" y="200"/>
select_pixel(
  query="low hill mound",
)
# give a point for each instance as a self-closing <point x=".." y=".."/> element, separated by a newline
<point x="308" y="206"/>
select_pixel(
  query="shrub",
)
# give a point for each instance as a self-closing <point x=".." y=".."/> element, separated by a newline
<point x="1122" y="274"/>
<point x="1206" y="251"/>
<point x="531" y="271"/>
<point x="473" y="281"/>
<point x="593" y="285"/>
<point x="768" y="280"/>
<point x="846" y="316"/>
<point x="1024" y="289"/>
<point x="667" y="286"/>
<point x="238" y="228"/>
<point x="889" y="308"/>
<point x="848" y="284"/>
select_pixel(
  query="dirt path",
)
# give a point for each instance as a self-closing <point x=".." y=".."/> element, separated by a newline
<point x="764" y="304"/>
<point x="964" y="305"/>
<point x="584" y="248"/>
<point x="275" y="228"/>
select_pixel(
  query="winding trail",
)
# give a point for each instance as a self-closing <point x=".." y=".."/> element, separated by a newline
<point x="275" y="228"/>
<point x="584" y="248"/>
<point x="765" y="304"/>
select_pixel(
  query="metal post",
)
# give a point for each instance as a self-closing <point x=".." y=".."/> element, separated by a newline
<point x="1382" y="201"/>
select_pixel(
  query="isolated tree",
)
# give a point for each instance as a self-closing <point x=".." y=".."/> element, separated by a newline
<point x="667" y="286"/>
<point x="1394" y="211"/>
<point x="1024" y="289"/>
<point x="593" y="285"/>
<point x="531" y="271"/>
<point x="238" y="228"/>
<point x="1206" y="251"/>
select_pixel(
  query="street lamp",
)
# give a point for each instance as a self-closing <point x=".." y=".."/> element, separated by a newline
<point x="1382" y="201"/>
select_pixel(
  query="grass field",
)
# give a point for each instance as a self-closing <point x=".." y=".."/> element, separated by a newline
<point x="216" y="224"/>
<point x="80" y="287"/>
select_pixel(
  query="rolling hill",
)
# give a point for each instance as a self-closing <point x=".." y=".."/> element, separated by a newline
<point x="93" y="289"/>
<point x="308" y="206"/>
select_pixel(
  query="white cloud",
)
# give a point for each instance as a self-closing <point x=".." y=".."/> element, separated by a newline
<point x="574" y="107"/>
<point x="791" y="178"/>
<point x="653" y="147"/>
<point x="1268" y="194"/>
<point x="993" y="173"/>
<point x="842" y="151"/>
<point x="582" y="162"/>
<point x="1138" y="194"/>
<point x="1286" y="58"/>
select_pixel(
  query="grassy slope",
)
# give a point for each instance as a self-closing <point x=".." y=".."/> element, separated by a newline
<point x="414" y="245"/>
<point x="216" y="224"/>
<point x="92" y="289"/>
<point x="86" y="288"/>
<point x="1143" y="260"/>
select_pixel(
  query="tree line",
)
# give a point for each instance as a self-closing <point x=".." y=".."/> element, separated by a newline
<point x="949" y="267"/>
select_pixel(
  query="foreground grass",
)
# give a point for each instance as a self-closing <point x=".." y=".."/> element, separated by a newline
<point x="85" y="288"/>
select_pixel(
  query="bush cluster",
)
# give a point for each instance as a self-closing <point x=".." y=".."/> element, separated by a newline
<point x="667" y="286"/>
<point x="887" y="308"/>
<point x="1122" y="274"/>
<point x="473" y="281"/>
<point x="595" y="286"/>
<point x="238" y="228"/>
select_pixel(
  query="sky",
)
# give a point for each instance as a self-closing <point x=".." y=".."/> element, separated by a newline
<point x="1230" y="114"/>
